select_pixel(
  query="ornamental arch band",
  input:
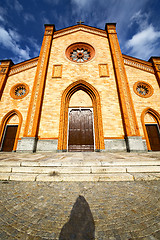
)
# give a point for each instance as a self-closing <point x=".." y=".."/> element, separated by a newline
<point x="81" y="75"/>
<point x="94" y="95"/>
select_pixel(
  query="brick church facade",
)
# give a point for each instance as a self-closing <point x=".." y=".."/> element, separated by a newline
<point x="80" y="94"/>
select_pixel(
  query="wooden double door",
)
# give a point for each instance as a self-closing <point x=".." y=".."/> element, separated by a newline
<point x="9" y="137"/>
<point x="80" y="134"/>
<point x="153" y="136"/>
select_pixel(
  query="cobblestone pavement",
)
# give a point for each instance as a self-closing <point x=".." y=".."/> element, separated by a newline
<point x="39" y="210"/>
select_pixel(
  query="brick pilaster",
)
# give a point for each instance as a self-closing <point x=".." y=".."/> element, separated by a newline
<point x="127" y="109"/>
<point x="34" y="112"/>
<point x="156" y="65"/>
<point x="4" y="71"/>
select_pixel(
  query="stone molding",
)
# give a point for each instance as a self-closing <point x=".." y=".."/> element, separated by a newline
<point x="81" y="27"/>
<point x="4" y="122"/>
<point x="63" y="122"/>
<point x="23" y="66"/>
<point x="156" y="117"/>
<point x="138" y="64"/>
<point x="155" y="61"/>
<point x="12" y="91"/>
<point x="4" y="71"/>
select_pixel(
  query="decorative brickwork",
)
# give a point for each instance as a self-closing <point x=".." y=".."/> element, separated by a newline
<point x="103" y="70"/>
<point x="139" y="65"/>
<point x="20" y="90"/>
<point x="32" y="122"/>
<point x="63" y="76"/>
<point x="156" y="65"/>
<point x="57" y="71"/>
<point x="156" y="117"/>
<point x="81" y="27"/>
<point x="80" y="52"/>
<point x="143" y="89"/>
<point x="4" y="70"/>
<point x="63" y="124"/>
<point x="22" y="67"/>
<point x="128" y="113"/>
<point x="4" y="122"/>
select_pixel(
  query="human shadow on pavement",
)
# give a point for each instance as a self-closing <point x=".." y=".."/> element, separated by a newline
<point x="81" y="224"/>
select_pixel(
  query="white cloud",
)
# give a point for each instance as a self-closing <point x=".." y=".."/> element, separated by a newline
<point x="2" y="19"/>
<point x="29" y="17"/>
<point x="14" y="35"/>
<point x="143" y="43"/>
<point x="141" y="19"/>
<point x="46" y="20"/>
<point x="2" y="14"/>
<point x="32" y="41"/>
<point x="18" y="7"/>
<point x="8" y="41"/>
<point x="53" y="2"/>
<point x="82" y="3"/>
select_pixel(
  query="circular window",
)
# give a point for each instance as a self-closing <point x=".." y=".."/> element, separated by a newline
<point x="143" y="89"/>
<point x="80" y="52"/>
<point x="19" y="90"/>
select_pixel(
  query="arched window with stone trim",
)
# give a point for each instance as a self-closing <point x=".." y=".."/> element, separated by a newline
<point x="9" y="130"/>
<point x="151" y="126"/>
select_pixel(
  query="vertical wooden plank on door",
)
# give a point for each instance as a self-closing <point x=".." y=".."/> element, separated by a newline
<point x="154" y="136"/>
<point x="80" y="130"/>
<point x="9" y="138"/>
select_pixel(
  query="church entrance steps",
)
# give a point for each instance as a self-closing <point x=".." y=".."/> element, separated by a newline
<point x="79" y="166"/>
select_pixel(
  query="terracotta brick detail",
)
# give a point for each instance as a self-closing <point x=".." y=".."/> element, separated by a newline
<point x="63" y="125"/>
<point x="32" y="122"/>
<point x="127" y="107"/>
<point x="4" y="70"/>
<point x="57" y="71"/>
<point x="103" y="70"/>
<point x="4" y="122"/>
<point x="156" y="116"/>
<point x="156" y="65"/>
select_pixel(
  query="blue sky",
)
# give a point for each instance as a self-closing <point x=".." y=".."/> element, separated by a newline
<point x="22" y="24"/>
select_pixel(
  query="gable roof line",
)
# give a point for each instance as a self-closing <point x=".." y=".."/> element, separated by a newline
<point x="138" y="63"/>
<point x="78" y="27"/>
<point x="19" y="67"/>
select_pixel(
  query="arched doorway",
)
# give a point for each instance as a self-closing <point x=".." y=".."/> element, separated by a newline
<point x="97" y="117"/>
<point x="80" y="123"/>
<point x="151" y="126"/>
<point x="9" y="131"/>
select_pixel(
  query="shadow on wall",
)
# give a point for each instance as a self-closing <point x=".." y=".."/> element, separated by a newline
<point x="81" y="223"/>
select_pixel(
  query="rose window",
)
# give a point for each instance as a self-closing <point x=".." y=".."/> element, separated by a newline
<point x="19" y="90"/>
<point x="143" y="89"/>
<point x="80" y="52"/>
<point x="80" y="55"/>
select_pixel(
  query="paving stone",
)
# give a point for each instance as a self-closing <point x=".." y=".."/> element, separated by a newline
<point x="22" y="177"/>
<point x="123" y="205"/>
<point x="121" y="210"/>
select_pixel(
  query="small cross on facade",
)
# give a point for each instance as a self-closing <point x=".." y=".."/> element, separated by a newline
<point x="80" y="22"/>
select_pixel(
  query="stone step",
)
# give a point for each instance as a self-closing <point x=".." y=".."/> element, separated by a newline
<point x="80" y="169"/>
<point x="77" y="163"/>
<point x="67" y="169"/>
<point x="79" y="177"/>
<point x="66" y="177"/>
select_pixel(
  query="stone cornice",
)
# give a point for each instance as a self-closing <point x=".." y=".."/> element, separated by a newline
<point x="80" y="27"/>
<point x="23" y="66"/>
<point x="138" y="63"/>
